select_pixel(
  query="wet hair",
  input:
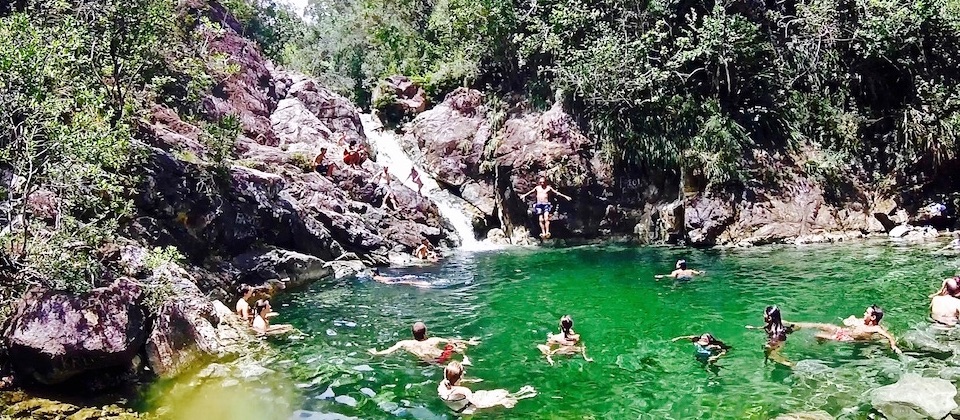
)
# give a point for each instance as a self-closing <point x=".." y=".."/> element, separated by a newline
<point x="711" y="340"/>
<point x="774" y="328"/>
<point x="453" y="372"/>
<point x="243" y="289"/>
<point x="419" y="331"/>
<point x="261" y="305"/>
<point x="682" y="264"/>
<point x="877" y="312"/>
<point x="566" y="324"/>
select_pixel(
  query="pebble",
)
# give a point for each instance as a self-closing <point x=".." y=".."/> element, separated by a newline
<point x="327" y="394"/>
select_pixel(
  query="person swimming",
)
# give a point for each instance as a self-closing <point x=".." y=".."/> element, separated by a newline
<point x="777" y="332"/>
<point x="427" y="349"/>
<point x="707" y="348"/>
<point x="462" y="400"/>
<point x="945" y="304"/>
<point x="408" y="280"/>
<point x="261" y="321"/>
<point x="567" y="342"/>
<point x="681" y="272"/>
<point x="855" y="329"/>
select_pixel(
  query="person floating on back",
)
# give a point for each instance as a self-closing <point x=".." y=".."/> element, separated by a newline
<point x="407" y="280"/>
<point x="427" y="348"/>
<point x="945" y="304"/>
<point x="543" y="207"/>
<point x="681" y="272"/>
<point x="462" y="400"/>
<point x="855" y="329"/>
<point x="567" y="342"/>
<point x="708" y="348"/>
<point x="777" y="332"/>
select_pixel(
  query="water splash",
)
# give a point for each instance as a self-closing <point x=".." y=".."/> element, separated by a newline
<point x="451" y="207"/>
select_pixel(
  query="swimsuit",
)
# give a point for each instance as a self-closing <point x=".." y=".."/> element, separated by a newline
<point x="842" y="335"/>
<point x="541" y="208"/>
<point x="702" y="353"/>
<point x="453" y="403"/>
<point x="447" y="353"/>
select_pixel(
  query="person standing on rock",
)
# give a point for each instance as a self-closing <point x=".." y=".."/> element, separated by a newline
<point x="427" y="348"/>
<point x="321" y="167"/>
<point x="945" y="304"/>
<point x="415" y="177"/>
<point x="383" y="179"/>
<point x="543" y="207"/>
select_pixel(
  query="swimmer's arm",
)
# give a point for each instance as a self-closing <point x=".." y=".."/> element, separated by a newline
<point x="716" y="357"/>
<point x="392" y="349"/>
<point x="689" y="337"/>
<point x="663" y="276"/>
<point x="893" y="341"/>
<point x="583" y="352"/>
<point x="524" y="195"/>
<point x="550" y="189"/>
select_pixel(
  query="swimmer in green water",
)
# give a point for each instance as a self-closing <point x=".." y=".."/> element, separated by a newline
<point x="855" y="329"/>
<point x="681" y="272"/>
<point x="708" y="349"/>
<point x="777" y="332"/>
<point x="462" y="400"/>
<point x="567" y="342"/>
<point x="428" y="349"/>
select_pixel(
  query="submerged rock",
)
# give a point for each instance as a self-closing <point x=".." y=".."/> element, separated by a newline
<point x="915" y="397"/>
<point x="806" y="415"/>
<point x="54" y="336"/>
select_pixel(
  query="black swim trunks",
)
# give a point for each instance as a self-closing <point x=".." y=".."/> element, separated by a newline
<point x="541" y="208"/>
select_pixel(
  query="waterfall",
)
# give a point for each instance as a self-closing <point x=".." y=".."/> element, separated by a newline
<point x="391" y="155"/>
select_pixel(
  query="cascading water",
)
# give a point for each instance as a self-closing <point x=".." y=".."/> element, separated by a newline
<point x="391" y="155"/>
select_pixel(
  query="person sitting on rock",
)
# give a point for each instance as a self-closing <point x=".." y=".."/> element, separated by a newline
<point x="543" y="207"/>
<point x="319" y="166"/>
<point x="567" y="342"/>
<point x="427" y="348"/>
<point x="463" y="401"/>
<point x="681" y="272"/>
<point x="425" y="251"/>
<point x="354" y="154"/>
<point x="945" y="304"/>
<point x="855" y="329"/>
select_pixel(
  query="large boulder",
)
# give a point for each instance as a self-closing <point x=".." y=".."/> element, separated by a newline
<point x="398" y="96"/>
<point x="185" y="331"/>
<point x="915" y="397"/>
<point x="294" y="268"/>
<point x="53" y="335"/>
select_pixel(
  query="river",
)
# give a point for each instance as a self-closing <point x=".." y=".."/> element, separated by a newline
<point x="512" y="298"/>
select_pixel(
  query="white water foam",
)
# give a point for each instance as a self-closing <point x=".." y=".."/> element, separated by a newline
<point x="391" y="155"/>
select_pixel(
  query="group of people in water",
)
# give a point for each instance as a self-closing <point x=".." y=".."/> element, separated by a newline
<point x="708" y="349"/>
<point x="451" y="389"/>
<point x="258" y="316"/>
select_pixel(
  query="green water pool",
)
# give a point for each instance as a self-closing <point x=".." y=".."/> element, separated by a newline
<point x="512" y="298"/>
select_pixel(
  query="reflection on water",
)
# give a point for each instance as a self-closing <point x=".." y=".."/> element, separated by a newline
<point x="512" y="299"/>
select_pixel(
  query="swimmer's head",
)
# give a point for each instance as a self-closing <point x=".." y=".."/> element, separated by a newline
<point x="681" y="264"/>
<point x="419" y="331"/>
<point x="772" y="315"/>
<point x="704" y="339"/>
<point x="872" y="315"/>
<point x="263" y="305"/>
<point x="566" y="324"/>
<point x="453" y="372"/>
<point x="952" y="286"/>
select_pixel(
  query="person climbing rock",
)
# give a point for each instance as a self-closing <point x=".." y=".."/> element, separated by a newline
<point x="543" y="207"/>
<point x="415" y="177"/>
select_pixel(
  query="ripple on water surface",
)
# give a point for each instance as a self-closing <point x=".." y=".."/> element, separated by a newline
<point x="512" y="298"/>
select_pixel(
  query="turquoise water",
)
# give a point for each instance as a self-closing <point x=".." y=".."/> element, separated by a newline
<point x="511" y="299"/>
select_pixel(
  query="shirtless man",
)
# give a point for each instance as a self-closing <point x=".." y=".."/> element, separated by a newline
<point x="427" y="348"/>
<point x="425" y="251"/>
<point x="384" y="180"/>
<point x="319" y="166"/>
<point x="408" y="280"/>
<point x="543" y="206"/>
<point x="243" y="304"/>
<point x="681" y="272"/>
<point x="945" y="304"/>
<point x="855" y="329"/>
<point x="567" y="342"/>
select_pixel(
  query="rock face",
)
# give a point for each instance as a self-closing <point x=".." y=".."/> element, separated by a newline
<point x="294" y="268"/>
<point x="915" y="397"/>
<point x="398" y="96"/>
<point x="54" y="336"/>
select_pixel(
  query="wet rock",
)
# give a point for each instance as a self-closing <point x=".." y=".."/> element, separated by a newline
<point x="915" y="397"/>
<point x="931" y="342"/>
<point x="806" y="415"/>
<point x="295" y="268"/>
<point x="214" y="370"/>
<point x="53" y="336"/>
<point x="185" y="330"/>
<point x="348" y="268"/>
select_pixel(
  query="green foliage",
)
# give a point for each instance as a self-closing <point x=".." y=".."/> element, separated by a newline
<point x="302" y="161"/>
<point x="220" y="137"/>
<point x="158" y="256"/>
